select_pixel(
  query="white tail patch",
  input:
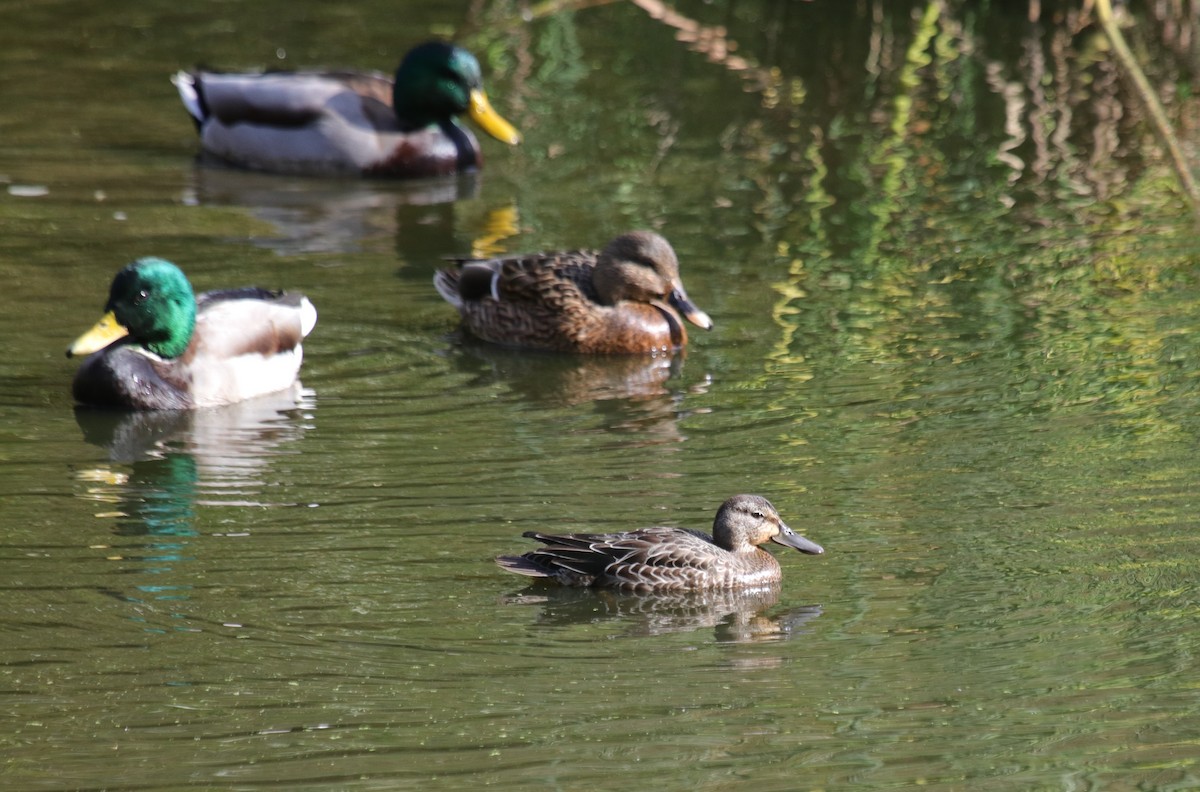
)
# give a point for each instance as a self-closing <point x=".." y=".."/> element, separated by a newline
<point x="186" y="85"/>
<point x="308" y="316"/>
<point x="447" y="286"/>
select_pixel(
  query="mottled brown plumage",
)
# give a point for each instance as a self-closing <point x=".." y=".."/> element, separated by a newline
<point x="668" y="559"/>
<point x="626" y="299"/>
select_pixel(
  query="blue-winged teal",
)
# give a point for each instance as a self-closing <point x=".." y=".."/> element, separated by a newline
<point x="160" y="347"/>
<point x="626" y="299"/>
<point x="668" y="559"/>
<point x="348" y="123"/>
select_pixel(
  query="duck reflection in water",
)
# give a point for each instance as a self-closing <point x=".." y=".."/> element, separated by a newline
<point x="165" y="463"/>
<point x="313" y="216"/>
<point x="225" y="441"/>
<point x="636" y="395"/>
<point x="734" y="615"/>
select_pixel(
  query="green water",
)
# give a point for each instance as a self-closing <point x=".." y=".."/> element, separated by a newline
<point x="955" y="344"/>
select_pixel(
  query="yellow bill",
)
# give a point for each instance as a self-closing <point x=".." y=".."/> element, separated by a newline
<point x="482" y="113"/>
<point x="107" y="330"/>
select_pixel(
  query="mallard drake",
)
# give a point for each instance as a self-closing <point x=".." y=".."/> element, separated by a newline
<point x="348" y="123"/>
<point x="668" y="559"/>
<point x="161" y="347"/>
<point x="626" y="299"/>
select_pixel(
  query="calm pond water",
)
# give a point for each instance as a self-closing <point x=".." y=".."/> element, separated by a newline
<point x="955" y="343"/>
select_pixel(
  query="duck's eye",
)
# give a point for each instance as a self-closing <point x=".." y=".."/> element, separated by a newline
<point x="141" y="297"/>
<point x="757" y="515"/>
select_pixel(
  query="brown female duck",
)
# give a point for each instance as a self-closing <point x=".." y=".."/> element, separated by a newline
<point x="348" y="123"/>
<point x="669" y="559"/>
<point x="626" y="299"/>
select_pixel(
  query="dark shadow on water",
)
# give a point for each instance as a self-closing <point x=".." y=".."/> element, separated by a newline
<point x="733" y="616"/>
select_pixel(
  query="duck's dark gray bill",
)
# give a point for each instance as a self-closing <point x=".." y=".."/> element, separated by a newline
<point x="679" y="299"/>
<point x="789" y="538"/>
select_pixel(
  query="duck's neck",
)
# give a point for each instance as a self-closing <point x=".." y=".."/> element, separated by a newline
<point x="464" y="144"/>
<point x="167" y="333"/>
<point x="417" y="103"/>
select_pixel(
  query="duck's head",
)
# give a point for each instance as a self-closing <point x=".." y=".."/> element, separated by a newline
<point x="437" y="81"/>
<point x="150" y="301"/>
<point x="746" y="521"/>
<point x="641" y="266"/>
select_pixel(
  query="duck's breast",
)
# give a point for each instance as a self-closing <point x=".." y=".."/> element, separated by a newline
<point x="125" y="376"/>
<point x="633" y="328"/>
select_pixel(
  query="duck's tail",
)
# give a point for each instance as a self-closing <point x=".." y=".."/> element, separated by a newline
<point x="523" y="566"/>
<point x="308" y="316"/>
<point x="185" y="83"/>
<point x="446" y="283"/>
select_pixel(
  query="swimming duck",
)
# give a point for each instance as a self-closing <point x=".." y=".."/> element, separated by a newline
<point x="161" y="347"/>
<point x="668" y="559"/>
<point x="626" y="299"/>
<point x="348" y="123"/>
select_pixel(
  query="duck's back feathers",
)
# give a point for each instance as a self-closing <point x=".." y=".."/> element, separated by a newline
<point x="555" y="281"/>
<point x="549" y="301"/>
<point x="252" y="321"/>
<point x="281" y="99"/>
<point x="311" y="123"/>
<point x="658" y="559"/>
<point x="518" y="314"/>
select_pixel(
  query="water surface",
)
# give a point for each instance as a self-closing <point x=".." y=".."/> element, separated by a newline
<point x="955" y="344"/>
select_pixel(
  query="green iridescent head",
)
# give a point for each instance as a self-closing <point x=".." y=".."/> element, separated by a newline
<point x="152" y="302"/>
<point x="437" y="81"/>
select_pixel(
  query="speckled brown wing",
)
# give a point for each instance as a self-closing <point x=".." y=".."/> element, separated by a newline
<point x="662" y="559"/>
<point x="582" y="554"/>
<point x="649" y="559"/>
<point x="543" y="301"/>
<point x="549" y="301"/>
<point x="561" y="293"/>
<point x="551" y="279"/>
